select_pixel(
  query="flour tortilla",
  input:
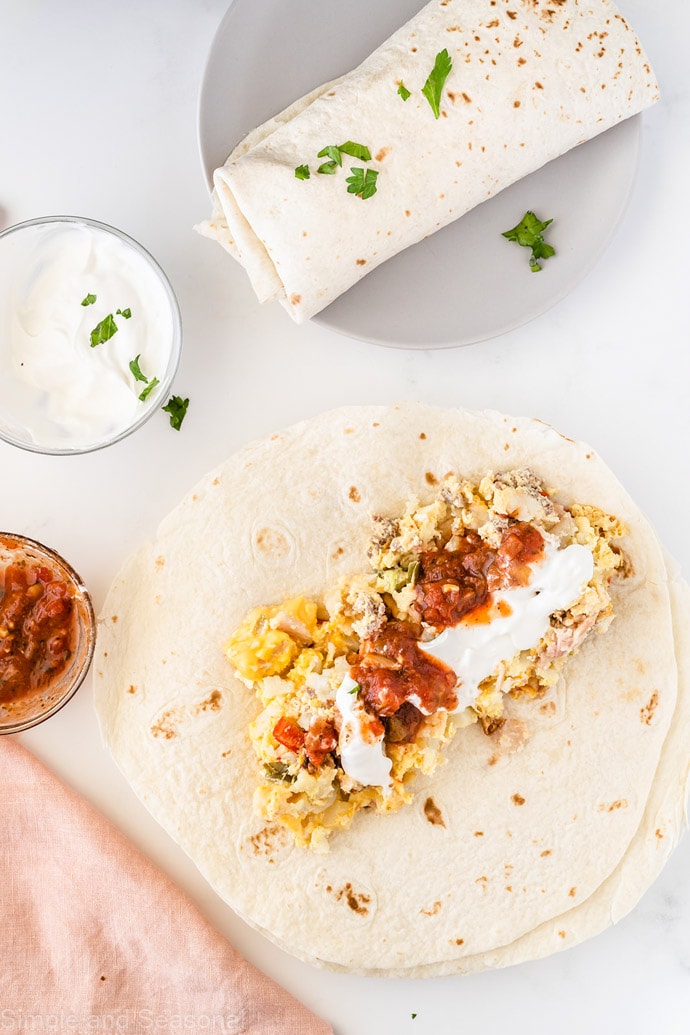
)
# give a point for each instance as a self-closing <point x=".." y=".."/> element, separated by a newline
<point x="538" y="849"/>
<point x="531" y="79"/>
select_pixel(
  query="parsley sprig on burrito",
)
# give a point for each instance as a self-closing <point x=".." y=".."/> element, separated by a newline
<point x="475" y="598"/>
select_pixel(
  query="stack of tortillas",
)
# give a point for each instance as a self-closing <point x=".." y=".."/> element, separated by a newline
<point x="520" y="853"/>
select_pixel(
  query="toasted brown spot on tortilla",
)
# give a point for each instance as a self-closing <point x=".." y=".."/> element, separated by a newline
<point x="571" y="893"/>
<point x="433" y="910"/>
<point x="517" y="799"/>
<point x="457" y="941"/>
<point x="357" y="901"/>
<point x="381" y="154"/>
<point x="548" y="708"/>
<point x="166" y="725"/>
<point x="658" y="833"/>
<point x="268" y="841"/>
<point x="647" y="713"/>
<point x="545" y="853"/>
<point x="353" y="494"/>
<point x="433" y="813"/>
<point x="295" y="299"/>
<point x="211" y="703"/>
<point x="430" y="478"/>
<point x="407" y="212"/>
<point x="620" y="803"/>
<point x="561" y="934"/>
<point x="160" y="561"/>
<point x="516" y="104"/>
<point x="131" y="689"/>
<point x="271" y="542"/>
<point x="422" y="434"/>
<point x="538" y="86"/>
<point x="479" y="833"/>
<point x="216" y="481"/>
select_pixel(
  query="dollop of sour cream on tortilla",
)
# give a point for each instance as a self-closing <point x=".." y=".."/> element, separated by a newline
<point x="362" y="753"/>
<point x="517" y="620"/>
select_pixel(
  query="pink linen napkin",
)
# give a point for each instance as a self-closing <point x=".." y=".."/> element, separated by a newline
<point x="94" y="938"/>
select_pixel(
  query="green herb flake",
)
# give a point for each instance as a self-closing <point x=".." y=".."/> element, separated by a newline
<point x="143" y="395"/>
<point x="332" y="152"/>
<point x="126" y="314"/>
<point x="302" y="172"/>
<point x="88" y="300"/>
<point x="328" y="168"/>
<point x="136" y="369"/>
<point x="362" y="183"/>
<point x="413" y="1015"/>
<point x="355" y="689"/>
<point x="403" y="91"/>
<point x="433" y="87"/>
<point x="103" y="331"/>
<point x="529" y="234"/>
<point x="354" y="150"/>
<point x="177" y="408"/>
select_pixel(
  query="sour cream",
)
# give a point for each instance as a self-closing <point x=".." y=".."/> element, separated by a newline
<point x="518" y="620"/>
<point x="362" y="754"/>
<point x="60" y="281"/>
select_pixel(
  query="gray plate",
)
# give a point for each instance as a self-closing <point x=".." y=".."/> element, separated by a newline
<point x="465" y="283"/>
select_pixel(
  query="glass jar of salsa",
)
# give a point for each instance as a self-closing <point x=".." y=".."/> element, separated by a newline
<point x="47" y="632"/>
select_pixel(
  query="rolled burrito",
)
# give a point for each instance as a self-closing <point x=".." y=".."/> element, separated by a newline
<point x="466" y="98"/>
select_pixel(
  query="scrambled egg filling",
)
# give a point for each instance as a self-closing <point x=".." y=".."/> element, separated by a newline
<point x="294" y="655"/>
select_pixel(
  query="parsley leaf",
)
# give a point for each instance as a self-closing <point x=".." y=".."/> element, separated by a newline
<point x="437" y="76"/>
<point x="136" y="369"/>
<point x="362" y="183"/>
<point x="403" y="91"/>
<point x="302" y="172"/>
<point x="529" y="234"/>
<point x="124" y="313"/>
<point x="335" y="154"/>
<point x="145" y="393"/>
<point x="103" y="331"/>
<point x="354" y="150"/>
<point x="332" y="152"/>
<point x="177" y="408"/>
<point x="355" y="689"/>
<point x="89" y="300"/>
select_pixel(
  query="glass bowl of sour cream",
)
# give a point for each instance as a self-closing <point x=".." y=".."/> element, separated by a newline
<point x="90" y="335"/>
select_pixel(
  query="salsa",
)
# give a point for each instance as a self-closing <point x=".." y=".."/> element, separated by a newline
<point x="38" y="628"/>
<point x="400" y="681"/>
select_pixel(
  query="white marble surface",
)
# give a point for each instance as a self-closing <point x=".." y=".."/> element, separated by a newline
<point x="98" y="118"/>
